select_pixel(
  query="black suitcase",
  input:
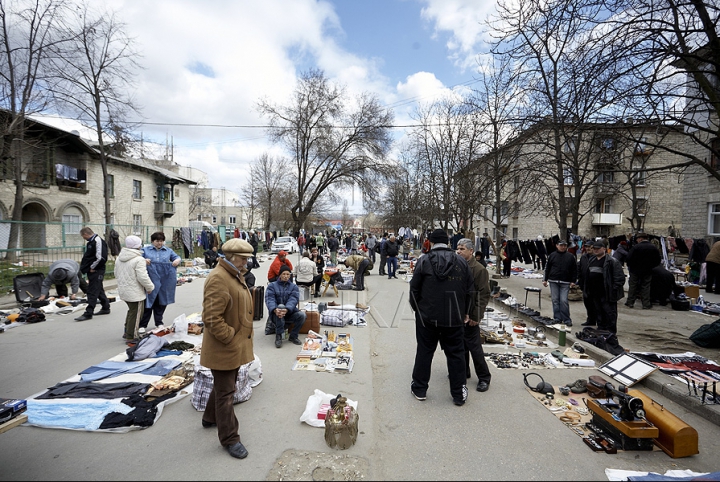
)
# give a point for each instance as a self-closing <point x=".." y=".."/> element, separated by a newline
<point x="29" y="285"/>
<point x="258" y="298"/>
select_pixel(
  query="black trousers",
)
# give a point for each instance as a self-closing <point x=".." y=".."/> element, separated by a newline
<point x="592" y="316"/>
<point x="157" y="311"/>
<point x="474" y="347"/>
<point x="639" y="286"/>
<point x="96" y="291"/>
<point x="360" y="274"/>
<point x="452" y="342"/>
<point x="712" y="284"/>
<point x="383" y="262"/>
<point x="62" y="289"/>
<point x="220" y="409"/>
<point x="606" y="312"/>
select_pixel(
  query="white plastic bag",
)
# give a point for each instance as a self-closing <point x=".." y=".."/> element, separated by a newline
<point x="255" y="372"/>
<point x="310" y="415"/>
<point x="181" y="324"/>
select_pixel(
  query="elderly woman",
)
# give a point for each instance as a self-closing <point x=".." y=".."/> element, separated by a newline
<point x="161" y="265"/>
<point x="228" y="339"/>
<point x="133" y="283"/>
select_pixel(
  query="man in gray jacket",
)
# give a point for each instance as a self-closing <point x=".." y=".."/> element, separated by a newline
<point x="601" y="279"/>
<point x="60" y="273"/>
<point x="561" y="273"/>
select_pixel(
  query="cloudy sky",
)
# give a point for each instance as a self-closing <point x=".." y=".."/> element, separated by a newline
<point x="208" y="63"/>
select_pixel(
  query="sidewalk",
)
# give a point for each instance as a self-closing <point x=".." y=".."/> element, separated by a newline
<point x="659" y="330"/>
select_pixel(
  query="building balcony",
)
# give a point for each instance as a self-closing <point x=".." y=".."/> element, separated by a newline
<point x="606" y="219"/>
<point x="164" y="208"/>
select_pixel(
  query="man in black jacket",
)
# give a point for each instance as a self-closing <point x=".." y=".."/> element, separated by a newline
<point x="601" y="279"/>
<point x="440" y="295"/>
<point x="561" y="273"/>
<point x="93" y="265"/>
<point x="391" y="250"/>
<point x="641" y="260"/>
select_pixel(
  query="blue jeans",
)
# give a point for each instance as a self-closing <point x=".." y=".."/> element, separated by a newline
<point x="298" y="318"/>
<point x="392" y="264"/>
<point x="561" y="306"/>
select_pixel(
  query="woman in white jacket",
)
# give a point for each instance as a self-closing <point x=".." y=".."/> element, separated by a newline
<point x="133" y="284"/>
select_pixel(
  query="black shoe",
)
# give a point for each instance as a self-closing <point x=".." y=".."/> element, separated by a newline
<point x="278" y="343"/>
<point x="461" y="401"/>
<point x="588" y="323"/>
<point x="317" y="295"/>
<point x="208" y="424"/>
<point x="647" y="307"/>
<point x="358" y="289"/>
<point x="483" y="386"/>
<point x="103" y="312"/>
<point x="237" y="450"/>
<point x="629" y="305"/>
<point x="417" y="393"/>
<point x="395" y="277"/>
<point x="84" y="317"/>
<point x="568" y="324"/>
<point x="295" y="341"/>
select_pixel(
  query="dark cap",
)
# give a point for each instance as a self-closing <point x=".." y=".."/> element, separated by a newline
<point x="438" y="236"/>
<point x="641" y="235"/>
<point x="562" y="241"/>
<point x="598" y="244"/>
<point x="284" y="268"/>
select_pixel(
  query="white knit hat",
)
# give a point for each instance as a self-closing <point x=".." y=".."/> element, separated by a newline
<point x="133" y="242"/>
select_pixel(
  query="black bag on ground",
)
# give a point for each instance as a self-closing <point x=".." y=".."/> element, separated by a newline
<point x="707" y="336"/>
<point x="258" y="297"/>
<point x="603" y="339"/>
<point x="31" y="315"/>
<point x="681" y="303"/>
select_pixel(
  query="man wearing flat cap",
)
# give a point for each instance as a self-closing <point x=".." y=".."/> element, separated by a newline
<point x="561" y="274"/>
<point x="441" y="295"/>
<point x="601" y="279"/>
<point x="228" y="339"/>
<point x="641" y="260"/>
<point x="282" y="298"/>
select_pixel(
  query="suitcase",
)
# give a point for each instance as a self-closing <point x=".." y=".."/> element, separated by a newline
<point x="29" y="285"/>
<point x="258" y="298"/>
<point x="312" y="322"/>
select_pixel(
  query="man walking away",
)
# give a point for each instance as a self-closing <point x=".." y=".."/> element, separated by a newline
<point x="561" y="273"/>
<point x="93" y="265"/>
<point x="391" y="253"/>
<point x="440" y="295"/>
<point x="642" y="258"/>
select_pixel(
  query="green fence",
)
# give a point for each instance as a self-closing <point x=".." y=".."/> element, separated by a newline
<point x="40" y="244"/>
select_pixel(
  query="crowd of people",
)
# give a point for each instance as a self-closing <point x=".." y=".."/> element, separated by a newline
<point x="449" y="291"/>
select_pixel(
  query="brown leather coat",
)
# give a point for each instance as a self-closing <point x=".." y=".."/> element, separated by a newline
<point x="227" y="315"/>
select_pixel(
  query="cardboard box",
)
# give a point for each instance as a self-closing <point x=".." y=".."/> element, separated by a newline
<point x="11" y="408"/>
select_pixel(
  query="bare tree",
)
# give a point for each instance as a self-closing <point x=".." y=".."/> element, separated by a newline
<point x="96" y="75"/>
<point x="267" y="186"/>
<point x="334" y="141"/>
<point x="30" y="38"/>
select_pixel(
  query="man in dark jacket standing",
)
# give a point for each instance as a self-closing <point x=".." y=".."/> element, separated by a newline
<point x="601" y="279"/>
<point x="561" y="273"/>
<point x="440" y="295"/>
<point x="93" y="265"/>
<point x="392" y="249"/>
<point x="333" y="245"/>
<point x="641" y="259"/>
<point x="481" y="297"/>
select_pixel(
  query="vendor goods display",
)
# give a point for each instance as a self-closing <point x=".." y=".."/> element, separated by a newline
<point x="341" y="424"/>
<point x="329" y="352"/>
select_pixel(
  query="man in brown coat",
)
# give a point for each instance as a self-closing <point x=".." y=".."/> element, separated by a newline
<point x="481" y="297"/>
<point x="228" y="339"/>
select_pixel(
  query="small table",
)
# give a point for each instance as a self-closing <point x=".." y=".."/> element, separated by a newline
<point x="528" y="289"/>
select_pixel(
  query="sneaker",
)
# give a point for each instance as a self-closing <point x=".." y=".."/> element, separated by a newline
<point x="160" y="327"/>
<point x="141" y="331"/>
<point x="417" y="393"/>
<point x="461" y="401"/>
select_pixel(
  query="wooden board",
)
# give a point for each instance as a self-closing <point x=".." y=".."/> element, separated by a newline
<point x="13" y="422"/>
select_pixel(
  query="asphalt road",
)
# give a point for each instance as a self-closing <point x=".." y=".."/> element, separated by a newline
<point x="503" y="434"/>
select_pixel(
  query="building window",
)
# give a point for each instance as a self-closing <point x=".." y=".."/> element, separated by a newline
<point x="137" y="189"/>
<point x="72" y="223"/>
<point x="715" y="154"/>
<point x="641" y="146"/>
<point x="606" y="176"/>
<point x="515" y="233"/>
<point x="231" y="219"/>
<point x="641" y="206"/>
<point x="199" y="218"/>
<point x="214" y="219"/>
<point x="137" y="224"/>
<point x="604" y="206"/>
<point x="639" y="177"/>
<point x="608" y="144"/>
<point x="568" y="177"/>
<point x="714" y="219"/>
<point x="569" y="146"/>
<point x="111" y="185"/>
<point x="516" y="182"/>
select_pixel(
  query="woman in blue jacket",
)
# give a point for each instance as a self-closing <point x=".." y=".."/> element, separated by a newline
<point x="161" y="265"/>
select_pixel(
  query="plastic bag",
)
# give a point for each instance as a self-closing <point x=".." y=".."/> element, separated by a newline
<point x="180" y="324"/>
<point x="310" y="415"/>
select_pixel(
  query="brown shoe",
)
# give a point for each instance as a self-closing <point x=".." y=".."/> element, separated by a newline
<point x="332" y="303"/>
